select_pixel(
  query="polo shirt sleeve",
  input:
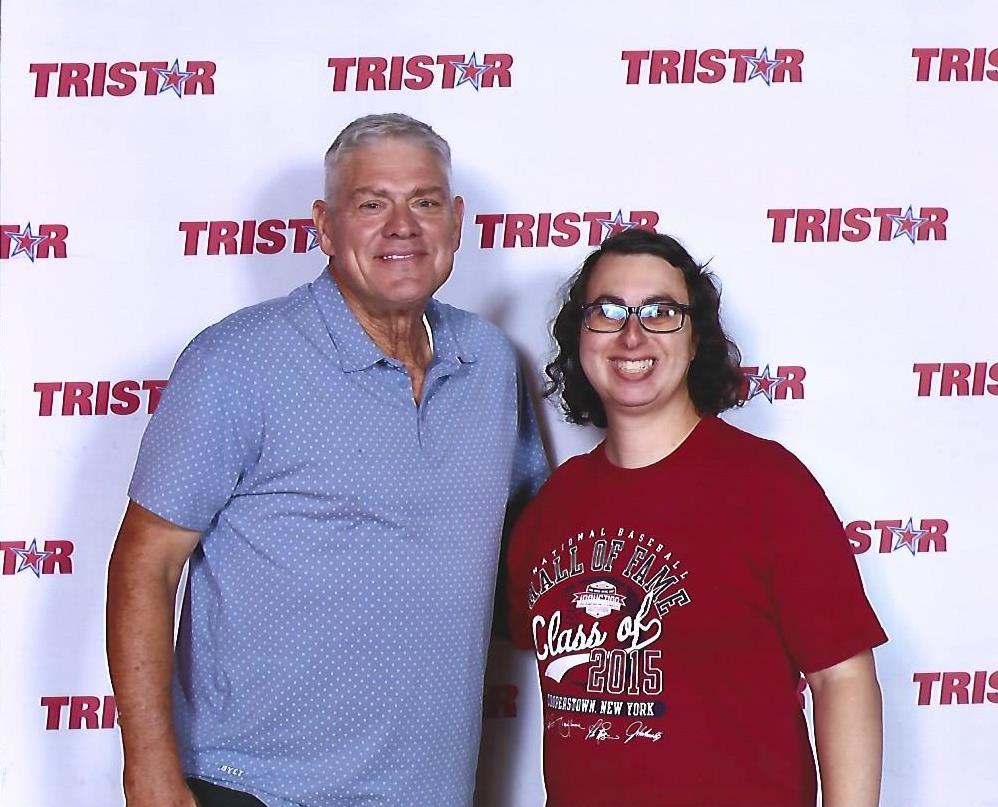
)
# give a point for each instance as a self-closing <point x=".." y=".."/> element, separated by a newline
<point x="529" y="470"/>
<point x="199" y="441"/>
<point x="518" y="579"/>
<point x="530" y="463"/>
<point x="824" y="614"/>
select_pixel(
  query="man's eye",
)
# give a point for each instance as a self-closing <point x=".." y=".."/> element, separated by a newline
<point x="370" y="205"/>
<point x="428" y="203"/>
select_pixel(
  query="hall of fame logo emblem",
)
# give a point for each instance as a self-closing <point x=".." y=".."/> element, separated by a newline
<point x="599" y="599"/>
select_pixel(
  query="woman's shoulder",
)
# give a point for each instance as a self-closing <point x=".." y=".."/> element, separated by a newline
<point x="565" y="484"/>
<point x="567" y="475"/>
<point x="754" y="461"/>
<point x="751" y="447"/>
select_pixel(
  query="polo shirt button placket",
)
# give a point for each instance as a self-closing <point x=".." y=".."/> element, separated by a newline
<point x="405" y="384"/>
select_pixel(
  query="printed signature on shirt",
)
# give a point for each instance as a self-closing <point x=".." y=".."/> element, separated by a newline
<point x="600" y="731"/>
<point x="563" y="726"/>
<point x="638" y="729"/>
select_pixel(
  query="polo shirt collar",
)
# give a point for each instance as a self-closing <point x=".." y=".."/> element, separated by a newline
<point x="357" y="351"/>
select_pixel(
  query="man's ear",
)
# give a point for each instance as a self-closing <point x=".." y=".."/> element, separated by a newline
<point x="459" y="220"/>
<point x="320" y="218"/>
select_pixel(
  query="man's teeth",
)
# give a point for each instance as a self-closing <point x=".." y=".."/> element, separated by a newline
<point x="396" y="257"/>
<point x="636" y="366"/>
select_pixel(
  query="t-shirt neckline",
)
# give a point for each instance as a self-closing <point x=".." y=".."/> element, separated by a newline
<point x="603" y="464"/>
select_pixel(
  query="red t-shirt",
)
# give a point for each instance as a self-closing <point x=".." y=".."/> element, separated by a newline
<point x="672" y="609"/>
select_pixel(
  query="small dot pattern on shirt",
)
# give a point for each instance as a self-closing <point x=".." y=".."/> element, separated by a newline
<point x="334" y="633"/>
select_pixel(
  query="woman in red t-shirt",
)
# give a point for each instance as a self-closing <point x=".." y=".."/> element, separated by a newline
<point x="675" y="582"/>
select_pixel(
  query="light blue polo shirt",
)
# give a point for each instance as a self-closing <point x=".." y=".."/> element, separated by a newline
<point x="337" y="616"/>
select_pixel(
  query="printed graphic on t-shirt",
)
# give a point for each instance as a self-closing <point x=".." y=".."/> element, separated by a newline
<point x="598" y="603"/>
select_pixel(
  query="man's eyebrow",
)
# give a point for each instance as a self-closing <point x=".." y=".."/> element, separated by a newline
<point x="370" y="190"/>
<point x="429" y="190"/>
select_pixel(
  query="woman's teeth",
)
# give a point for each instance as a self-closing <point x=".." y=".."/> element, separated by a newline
<point x="633" y="366"/>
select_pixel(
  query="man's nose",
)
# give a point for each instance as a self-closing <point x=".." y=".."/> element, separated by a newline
<point x="401" y="222"/>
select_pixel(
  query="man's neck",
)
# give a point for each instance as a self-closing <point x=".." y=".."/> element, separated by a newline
<point x="399" y="333"/>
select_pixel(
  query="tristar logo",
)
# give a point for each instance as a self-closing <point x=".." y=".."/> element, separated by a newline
<point x="118" y="79"/>
<point x="738" y="65"/>
<point x="784" y="381"/>
<point x="42" y="241"/>
<point x="52" y="557"/>
<point x="894" y="535"/>
<point x="76" y="712"/>
<point x="500" y="701"/>
<point x="98" y="397"/>
<point x="955" y="64"/>
<point x="963" y="688"/>
<point x="955" y="378"/>
<point x="856" y="224"/>
<point x="420" y="72"/>
<point x="512" y="230"/>
<point x="248" y="237"/>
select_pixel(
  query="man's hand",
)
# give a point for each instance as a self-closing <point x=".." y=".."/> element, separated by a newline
<point x="172" y="793"/>
<point x="145" y="567"/>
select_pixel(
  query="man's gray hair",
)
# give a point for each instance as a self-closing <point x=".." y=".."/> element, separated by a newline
<point x="375" y="128"/>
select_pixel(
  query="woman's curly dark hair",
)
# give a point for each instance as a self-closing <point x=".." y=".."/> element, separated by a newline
<point x="715" y="379"/>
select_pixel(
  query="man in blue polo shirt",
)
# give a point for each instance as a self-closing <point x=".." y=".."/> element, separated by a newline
<point x="336" y="465"/>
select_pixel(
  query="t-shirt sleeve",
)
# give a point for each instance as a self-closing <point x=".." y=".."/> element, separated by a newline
<point x="824" y="614"/>
<point x="198" y="443"/>
<point x="518" y="578"/>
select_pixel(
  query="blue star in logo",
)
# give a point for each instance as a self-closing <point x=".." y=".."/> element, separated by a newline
<point x="907" y="537"/>
<point x="763" y="384"/>
<point x="471" y="72"/>
<point x="25" y="242"/>
<point x="907" y="224"/>
<point x="174" y="78"/>
<point x="616" y="225"/>
<point x="762" y="66"/>
<point x="313" y="237"/>
<point x="31" y="558"/>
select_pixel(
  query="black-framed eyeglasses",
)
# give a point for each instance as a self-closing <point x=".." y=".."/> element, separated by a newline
<point x="662" y="317"/>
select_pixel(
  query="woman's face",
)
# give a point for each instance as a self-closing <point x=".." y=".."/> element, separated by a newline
<point x="635" y="372"/>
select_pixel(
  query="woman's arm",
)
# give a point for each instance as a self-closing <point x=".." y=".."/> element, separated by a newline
<point x="848" y="730"/>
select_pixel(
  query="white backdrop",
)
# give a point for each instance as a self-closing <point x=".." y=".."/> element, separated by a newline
<point x="887" y="344"/>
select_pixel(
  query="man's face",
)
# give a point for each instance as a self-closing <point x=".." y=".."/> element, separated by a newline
<point x="391" y="227"/>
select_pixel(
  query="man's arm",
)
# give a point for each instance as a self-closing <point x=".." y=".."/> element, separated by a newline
<point x="531" y="467"/>
<point x="148" y="558"/>
<point x="848" y="730"/>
